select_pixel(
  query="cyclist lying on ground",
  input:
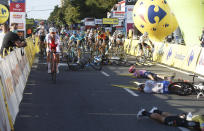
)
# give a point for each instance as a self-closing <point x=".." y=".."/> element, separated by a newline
<point x="195" y="122"/>
<point x="148" y="75"/>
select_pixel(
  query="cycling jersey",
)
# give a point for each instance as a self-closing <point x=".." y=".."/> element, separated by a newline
<point x="54" y="44"/>
<point x="73" y="38"/>
<point x="200" y="119"/>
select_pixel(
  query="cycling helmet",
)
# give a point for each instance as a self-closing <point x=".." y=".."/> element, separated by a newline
<point x="145" y="34"/>
<point x="132" y="69"/>
<point x="52" y="29"/>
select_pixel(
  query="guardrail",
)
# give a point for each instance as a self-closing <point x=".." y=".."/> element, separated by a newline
<point x="187" y="58"/>
<point x="14" y="71"/>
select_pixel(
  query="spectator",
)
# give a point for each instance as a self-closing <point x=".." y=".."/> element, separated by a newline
<point x="202" y="38"/>
<point x="11" y="39"/>
<point x="5" y="29"/>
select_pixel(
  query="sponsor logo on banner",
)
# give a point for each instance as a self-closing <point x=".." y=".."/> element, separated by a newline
<point x="17" y="1"/>
<point x="18" y="17"/>
<point x="20" y="26"/>
<point x="118" y="14"/>
<point x="129" y="10"/>
<point x="169" y="54"/>
<point x="111" y="21"/>
<point x="4" y="14"/>
<point x="179" y="56"/>
<point x="191" y="57"/>
<point x="98" y="21"/>
<point x="17" y="7"/>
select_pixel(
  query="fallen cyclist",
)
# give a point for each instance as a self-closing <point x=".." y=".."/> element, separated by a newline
<point x="148" y="75"/>
<point x="181" y="120"/>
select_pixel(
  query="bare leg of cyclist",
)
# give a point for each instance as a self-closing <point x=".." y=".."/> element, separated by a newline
<point x="48" y="62"/>
<point x="57" y="62"/>
<point x="158" y="117"/>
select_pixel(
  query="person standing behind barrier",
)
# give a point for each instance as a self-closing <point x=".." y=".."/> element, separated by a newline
<point x="202" y="38"/>
<point x="5" y="29"/>
<point x="11" y="39"/>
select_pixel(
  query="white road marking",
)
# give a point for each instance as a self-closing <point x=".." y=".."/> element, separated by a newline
<point x="183" y="129"/>
<point x="131" y="92"/>
<point x="62" y="64"/>
<point x="199" y="77"/>
<point x="175" y="69"/>
<point x="105" y="74"/>
<point x="138" y="83"/>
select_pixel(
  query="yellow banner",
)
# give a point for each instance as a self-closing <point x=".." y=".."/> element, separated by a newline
<point x="4" y="14"/>
<point x="192" y="58"/>
<point x="111" y="21"/>
<point x="29" y="21"/>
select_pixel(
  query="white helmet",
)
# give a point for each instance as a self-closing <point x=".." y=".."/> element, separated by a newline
<point x="145" y="34"/>
<point x="52" y="29"/>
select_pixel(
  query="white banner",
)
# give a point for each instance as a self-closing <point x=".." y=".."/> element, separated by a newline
<point x="23" y="62"/>
<point x="4" y="120"/>
<point x="118" y="14"/>
<point x="129" y="11"/>
<point x="18" y="17"/>
<point x="7" y="81"/>
<point x="98" y="21"/>
<point x="200" y="64"/>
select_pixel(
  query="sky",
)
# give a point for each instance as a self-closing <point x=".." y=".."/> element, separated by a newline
<point x="33" y="5"/>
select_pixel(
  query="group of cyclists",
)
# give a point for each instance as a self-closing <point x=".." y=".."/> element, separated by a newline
<point x="99" y="40"/>
<point x="96" y="41"/>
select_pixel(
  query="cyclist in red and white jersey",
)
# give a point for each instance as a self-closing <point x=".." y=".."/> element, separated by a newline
<point x="53" y="43"/>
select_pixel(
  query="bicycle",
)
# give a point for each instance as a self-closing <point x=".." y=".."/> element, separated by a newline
<point x="146" y="57"/>
<point x="184" y="88"/>
<point x="86" y="61"/>
<point x="53" y="64"/>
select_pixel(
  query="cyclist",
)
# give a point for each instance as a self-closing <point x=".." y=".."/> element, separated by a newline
<point x="183" y="120"/>
<point x="42" y="34"/>
<point x="143" y="42"/>
<point x="73" y="43"/>
<point x="53" y="43"/>
<point x="147" y="74"/>
<point x="119" y="39"/>
<point x="80" y="40"/>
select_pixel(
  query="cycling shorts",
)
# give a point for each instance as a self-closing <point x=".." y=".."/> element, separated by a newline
<point x="145" y="45"/>
<point x="42" y="38"/>
<point x="175" y="121"/>
<point x="147" y="73"/>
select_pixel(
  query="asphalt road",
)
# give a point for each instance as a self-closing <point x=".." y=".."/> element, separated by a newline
<point x="87" y="101"/>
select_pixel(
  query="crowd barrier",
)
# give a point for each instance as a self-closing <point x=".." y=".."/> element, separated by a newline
<point x="14" y="71"/>
<point x="187" y="58"/>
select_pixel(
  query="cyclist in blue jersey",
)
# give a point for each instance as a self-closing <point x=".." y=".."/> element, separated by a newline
<point x="75" y="41"/>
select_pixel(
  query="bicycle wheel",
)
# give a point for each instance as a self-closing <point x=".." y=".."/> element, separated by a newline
<point x="96" y="63"/>
<point x="140" y="60"/>
<point x="181" y="88"/>
<point x="96" y="66"/>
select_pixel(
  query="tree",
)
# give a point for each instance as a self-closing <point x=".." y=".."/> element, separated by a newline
<point x="75" y="10"/>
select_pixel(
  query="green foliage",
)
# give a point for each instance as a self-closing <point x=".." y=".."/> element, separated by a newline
<point x="75" y="10"/>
